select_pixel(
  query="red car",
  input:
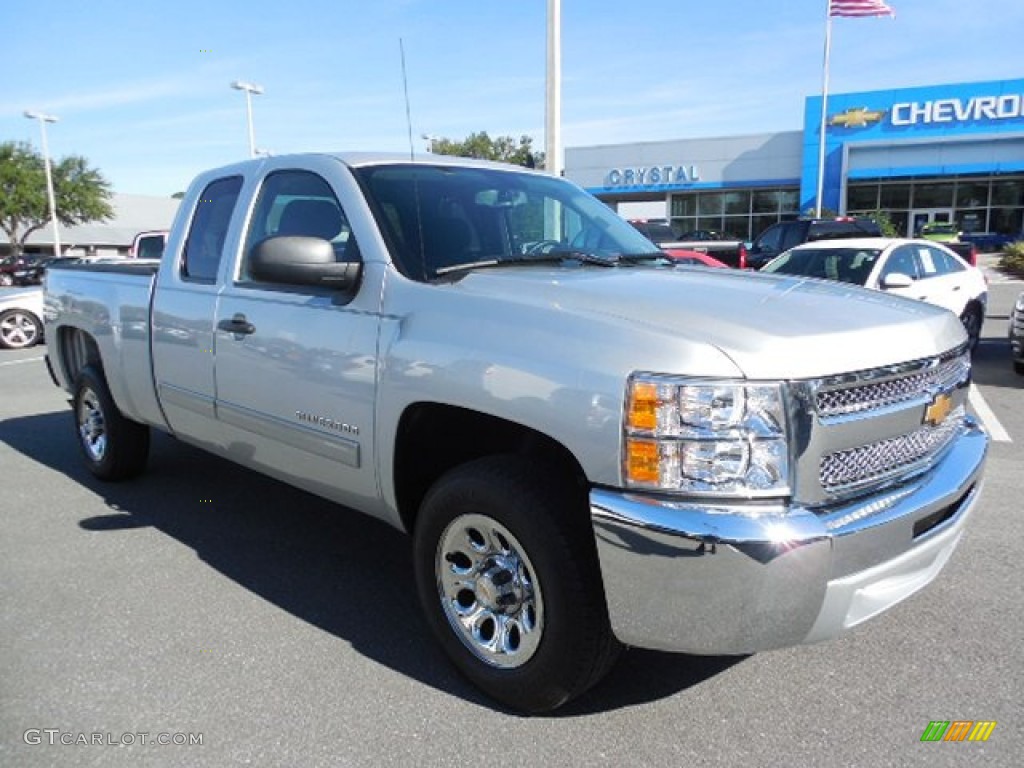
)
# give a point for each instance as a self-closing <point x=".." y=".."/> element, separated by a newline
<point x="693" y="258"/>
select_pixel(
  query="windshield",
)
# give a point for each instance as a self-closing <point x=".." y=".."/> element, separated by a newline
<point x="437" y="218"/>
<point x="848" y="265"/>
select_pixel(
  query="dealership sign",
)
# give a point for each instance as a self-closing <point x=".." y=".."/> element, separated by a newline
<point x="1008" y="106"/>
<point x="657" y="175"/>
<point x="1004" y="107"/>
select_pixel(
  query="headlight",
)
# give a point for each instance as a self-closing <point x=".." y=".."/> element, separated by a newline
<point x="710" y="437"/>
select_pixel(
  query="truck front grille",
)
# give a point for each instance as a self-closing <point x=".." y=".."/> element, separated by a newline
<point x="872" y="427"/>
<point x="874" y="462"/>
<point x="871" y="390"/>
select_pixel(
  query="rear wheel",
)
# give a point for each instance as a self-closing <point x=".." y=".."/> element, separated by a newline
<point x="507" y="574"/>
<point x="113" y="446"/>
<point x="19" y="329"/>
<point x="1018" y="366"/>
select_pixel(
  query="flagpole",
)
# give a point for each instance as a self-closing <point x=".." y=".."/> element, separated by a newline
<point x="824" y="108"/>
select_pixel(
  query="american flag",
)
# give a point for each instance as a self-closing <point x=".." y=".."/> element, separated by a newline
<point x="859" y="8"/>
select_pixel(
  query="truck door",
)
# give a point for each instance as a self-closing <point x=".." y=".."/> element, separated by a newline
<point x="296" y="365"/>
<point x="183" y="314"/>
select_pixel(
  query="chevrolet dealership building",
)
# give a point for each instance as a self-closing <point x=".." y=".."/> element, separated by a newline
<point x="936" y="153"/>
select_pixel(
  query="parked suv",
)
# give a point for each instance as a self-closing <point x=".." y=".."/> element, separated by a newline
<point x="786" y="234"/>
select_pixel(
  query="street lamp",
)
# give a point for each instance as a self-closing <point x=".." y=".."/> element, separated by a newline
<point x="43" y="120"/>
<point x="250" y="89"/>
<point x="430" y="139"/>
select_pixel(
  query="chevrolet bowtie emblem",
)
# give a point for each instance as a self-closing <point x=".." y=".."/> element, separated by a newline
<point x="938" y="409"/>
<point x="857" y="117"/>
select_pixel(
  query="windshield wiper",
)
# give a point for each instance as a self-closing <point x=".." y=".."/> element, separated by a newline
<point x="639" y="258"/>
<point x="551" y="257"/>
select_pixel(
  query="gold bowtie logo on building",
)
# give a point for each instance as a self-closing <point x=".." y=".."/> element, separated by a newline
<point x="857" y="117"/>
<point x="938" y="409"/>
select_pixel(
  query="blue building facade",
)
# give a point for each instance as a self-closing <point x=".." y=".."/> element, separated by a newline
<point x="942" y="144"/>
<point x="950" y="152"/>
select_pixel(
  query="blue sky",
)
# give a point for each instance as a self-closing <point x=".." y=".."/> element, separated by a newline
<point x="142" y="88"/>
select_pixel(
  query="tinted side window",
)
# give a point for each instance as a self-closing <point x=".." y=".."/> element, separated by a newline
<point x="205" y="244"/>
<point x="299" y="203"/>
<point x="903" y="261"/>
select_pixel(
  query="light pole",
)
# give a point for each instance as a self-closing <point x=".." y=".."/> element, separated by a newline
<point x="430" y="139"/>
<point x="43" y="120"/>
<point x="553" y="101"/>
<point x="250" y="89"/>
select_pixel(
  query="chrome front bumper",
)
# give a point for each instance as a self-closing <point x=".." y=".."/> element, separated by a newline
<point x="705" y="579"/>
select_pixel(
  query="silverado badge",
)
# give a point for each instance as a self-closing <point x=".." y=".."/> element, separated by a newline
<point x="938" y="409"/>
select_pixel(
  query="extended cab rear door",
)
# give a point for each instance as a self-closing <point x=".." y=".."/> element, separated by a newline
<point x="296" y="366"/>
<point x="184" y="305"/>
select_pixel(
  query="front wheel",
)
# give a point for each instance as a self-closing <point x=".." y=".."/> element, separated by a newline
<point x="507" y="574"/>
<point x="113" y="446"/>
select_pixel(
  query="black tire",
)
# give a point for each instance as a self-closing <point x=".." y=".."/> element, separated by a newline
<point x="19" y="329"/>
<point x="972" y="321"/>
<point x="543" y="525"/>
<point x="113" y="446"/>
<point x="1018" y="366"/>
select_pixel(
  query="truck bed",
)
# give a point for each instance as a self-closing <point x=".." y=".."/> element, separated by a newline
<point x="109" y="301"/>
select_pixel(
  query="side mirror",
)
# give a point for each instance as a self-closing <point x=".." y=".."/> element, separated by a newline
<point x="897" y="280"/>
<point x="295" y="260"/>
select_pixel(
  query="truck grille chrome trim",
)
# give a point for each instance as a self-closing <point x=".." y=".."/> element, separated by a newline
<point x="881" y="387"/>
<point x="868" y="464"/>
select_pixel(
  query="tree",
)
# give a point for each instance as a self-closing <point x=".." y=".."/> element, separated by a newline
<point x="503" y="149"/>
<point x="81" y="193"/>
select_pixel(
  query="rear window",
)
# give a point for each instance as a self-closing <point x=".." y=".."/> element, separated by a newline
<point x="847" y="265"/>
<point x="832" y="230"/>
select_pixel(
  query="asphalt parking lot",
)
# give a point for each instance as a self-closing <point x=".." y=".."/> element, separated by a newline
<point x="203" y="602"/>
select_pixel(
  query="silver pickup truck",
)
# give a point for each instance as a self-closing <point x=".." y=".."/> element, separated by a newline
<point x="590" y="447"/>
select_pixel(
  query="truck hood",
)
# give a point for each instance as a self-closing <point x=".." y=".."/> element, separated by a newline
<point x="769" y="326"/>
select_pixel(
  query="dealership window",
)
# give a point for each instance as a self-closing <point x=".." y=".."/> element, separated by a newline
<point x="893" y="196"/>
<point x="740" y="213"/>
<point x="933" y="196"/>
<point x="972" y="194"/>
<point x="862" y="198"/>
<point x="1008" y="193"/>
<point x="978" y="204"/>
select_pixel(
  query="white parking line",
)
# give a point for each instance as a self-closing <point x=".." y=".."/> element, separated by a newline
<point x="988" y="419"/>
<point x="19" y="362"/>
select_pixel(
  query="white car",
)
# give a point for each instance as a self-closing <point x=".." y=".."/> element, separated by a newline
<point x="21" y="317"/>
<point x="919" y="269"/>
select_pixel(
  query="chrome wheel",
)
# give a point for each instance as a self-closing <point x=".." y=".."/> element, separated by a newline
<point x="18" y="330"/>
<point x="488" y="591"/>
<point x="92" y="427"/>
